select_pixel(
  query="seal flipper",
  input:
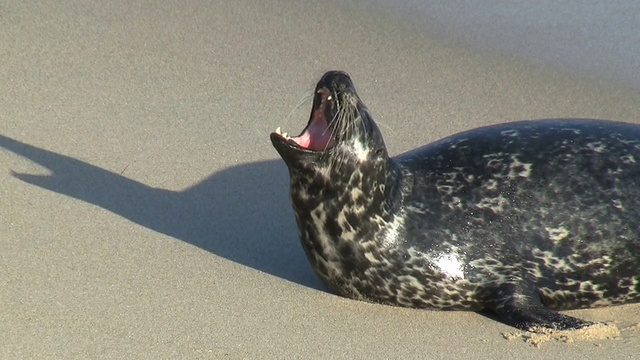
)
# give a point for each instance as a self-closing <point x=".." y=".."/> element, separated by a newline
<point x="519" y="305"/>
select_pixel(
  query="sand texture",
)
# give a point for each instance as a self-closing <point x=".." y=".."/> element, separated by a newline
<point x="145" y="215"/>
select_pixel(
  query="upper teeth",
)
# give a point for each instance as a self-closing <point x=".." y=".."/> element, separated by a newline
<point x="279" y="131"/>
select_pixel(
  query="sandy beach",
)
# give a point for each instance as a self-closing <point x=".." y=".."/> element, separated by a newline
<point x="145" y="215"/>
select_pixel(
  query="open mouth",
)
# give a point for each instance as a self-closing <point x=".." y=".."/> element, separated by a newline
<point x="318" y="135"/>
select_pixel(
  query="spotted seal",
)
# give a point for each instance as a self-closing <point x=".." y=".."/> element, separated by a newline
<point x="521" y="219"/>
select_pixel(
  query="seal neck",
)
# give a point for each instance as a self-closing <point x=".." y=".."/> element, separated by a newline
<point x="371" y="188"/>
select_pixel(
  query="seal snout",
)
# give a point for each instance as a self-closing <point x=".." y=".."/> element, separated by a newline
<point x="335" y="80"/>
<point x="336" y="115"/>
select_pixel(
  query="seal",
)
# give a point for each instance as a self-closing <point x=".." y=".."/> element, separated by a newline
<point x="521" y="219"/>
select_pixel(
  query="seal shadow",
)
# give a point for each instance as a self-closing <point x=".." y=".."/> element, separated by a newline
<point x="234" y="213"/>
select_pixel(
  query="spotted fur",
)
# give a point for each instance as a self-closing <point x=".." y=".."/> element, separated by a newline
<point x="517" y="218"/>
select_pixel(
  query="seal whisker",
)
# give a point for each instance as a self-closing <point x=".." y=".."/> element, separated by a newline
<point x="305" y="100"/>
<point x="385" y="125"/>
<point x="333" y="128"/>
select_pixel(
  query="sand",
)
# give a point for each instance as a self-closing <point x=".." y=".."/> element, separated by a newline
<point x="145" y="214"/>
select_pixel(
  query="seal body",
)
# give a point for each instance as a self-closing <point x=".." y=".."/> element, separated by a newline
<point x="521" y="218"/>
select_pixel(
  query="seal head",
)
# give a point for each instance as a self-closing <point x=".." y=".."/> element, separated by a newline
<point x="343" y="184"/>
<point x="339" y="126"/>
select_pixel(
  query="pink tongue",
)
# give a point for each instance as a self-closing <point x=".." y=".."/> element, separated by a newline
<point x="303" y="140"/>
<point x="317" y="137"/>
